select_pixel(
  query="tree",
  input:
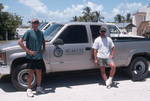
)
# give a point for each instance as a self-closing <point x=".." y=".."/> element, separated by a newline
<point x="8" y="22"/>
<point x="75" y="18"/>
<point x="118" y="18"/>
<point x="88" y="16"/>
<point x="1" y="6"/>
<point x="128" y="18"/>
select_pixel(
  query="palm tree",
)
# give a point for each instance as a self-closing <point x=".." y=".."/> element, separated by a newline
<point x="87" y="14"/>
<point x="118" y="18"/>
<point x="128" y="18"/>
<point x="75" y="18"/>
<point x="1" y="7"/>
<point x="96" y="16"/>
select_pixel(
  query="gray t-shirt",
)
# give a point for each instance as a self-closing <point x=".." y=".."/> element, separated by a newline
<point x="34" y="41"/>
<point x="103" y="46"/>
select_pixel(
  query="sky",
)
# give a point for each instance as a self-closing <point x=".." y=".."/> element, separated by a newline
<point x="65" y="10"/>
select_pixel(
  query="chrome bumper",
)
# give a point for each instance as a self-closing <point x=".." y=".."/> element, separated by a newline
<point x="4" y="70"/>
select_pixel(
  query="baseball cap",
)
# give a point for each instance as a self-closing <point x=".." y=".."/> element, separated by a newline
<point x="103" y="29"/>
<point x="34" y="20"/>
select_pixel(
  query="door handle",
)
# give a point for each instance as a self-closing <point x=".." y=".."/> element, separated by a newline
<point x="88" y="48"/>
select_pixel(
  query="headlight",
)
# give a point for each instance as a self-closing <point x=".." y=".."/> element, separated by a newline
<point x="2" y="58"/>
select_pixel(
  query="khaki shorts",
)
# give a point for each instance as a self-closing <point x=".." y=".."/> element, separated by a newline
<point x="104" y="62"/>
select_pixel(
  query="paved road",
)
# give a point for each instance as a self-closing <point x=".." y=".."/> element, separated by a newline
<point x="81" y="86"/>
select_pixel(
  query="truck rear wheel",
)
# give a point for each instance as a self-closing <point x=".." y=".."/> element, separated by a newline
<point x="19" y="78"/>
<point x="138" y="69"/>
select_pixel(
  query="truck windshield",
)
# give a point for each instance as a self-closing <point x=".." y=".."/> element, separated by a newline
<point x="42" y="25"/>
<point x="113" y="29"/>
<point x="52" y="31"/>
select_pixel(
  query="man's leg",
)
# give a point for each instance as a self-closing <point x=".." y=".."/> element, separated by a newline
<point x="112" y="65"/>
<point x="38" y="77"/>
<point x="112" y="72"/>
<point x="103" y="73"/>
<point x="29" y="80"/>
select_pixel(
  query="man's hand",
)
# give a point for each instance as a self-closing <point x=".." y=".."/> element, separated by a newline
<point x="32" y="53"/>
<point x="43" y="51"/>
<point x="96" y="61"/>
<point x="111" y="56"/>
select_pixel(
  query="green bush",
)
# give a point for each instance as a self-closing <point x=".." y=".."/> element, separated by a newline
<point x="1" y="38"/>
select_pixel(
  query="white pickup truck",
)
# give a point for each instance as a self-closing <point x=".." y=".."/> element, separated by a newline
<point x="68" y="48"/>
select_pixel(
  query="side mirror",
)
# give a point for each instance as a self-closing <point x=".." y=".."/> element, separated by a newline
<point x="58" y="42"/>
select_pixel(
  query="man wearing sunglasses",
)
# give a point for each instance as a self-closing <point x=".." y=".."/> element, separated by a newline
<point x="34" y="41"/>
<point x="104" y="51"/>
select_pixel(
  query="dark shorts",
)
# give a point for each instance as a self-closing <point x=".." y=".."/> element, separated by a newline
<point x="35" y="64"/>
<point x="104" y="62"/>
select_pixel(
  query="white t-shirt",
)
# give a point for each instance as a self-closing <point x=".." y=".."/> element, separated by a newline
<point x="103" y="46"/>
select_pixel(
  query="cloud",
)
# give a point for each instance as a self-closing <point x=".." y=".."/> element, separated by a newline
<point x="40" y="10"/>
<point x="5" y="8"/>
<point x="122" y="9"/>
<point x="35" y="5"/>
<point x="94" y="7"/>
<point x="126" y="8"/>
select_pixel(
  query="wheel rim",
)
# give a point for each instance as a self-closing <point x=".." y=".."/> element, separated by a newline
<point x="22" y="78"/>
<point x="139" y="67"/>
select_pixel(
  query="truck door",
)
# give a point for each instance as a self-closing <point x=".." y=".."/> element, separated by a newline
<point x="75" y="53"/>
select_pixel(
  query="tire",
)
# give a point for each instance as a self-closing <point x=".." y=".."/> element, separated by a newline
<point x="138" y="69"/>
<point x="19" y="78"/>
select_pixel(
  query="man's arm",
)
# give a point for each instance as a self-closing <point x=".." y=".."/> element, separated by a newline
<point x="95" y="57"/>
<point x="43" y="50"/>
<point x="20" y="42"/>
<point x="113" y="52"/>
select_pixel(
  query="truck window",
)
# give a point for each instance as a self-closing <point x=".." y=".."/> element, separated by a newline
<point x="95" y="31"/>
<point x="74" y="34"/>
<point x="113" y="29"/>
<point x="52" y="31"/>
<point x="42" y="25"/>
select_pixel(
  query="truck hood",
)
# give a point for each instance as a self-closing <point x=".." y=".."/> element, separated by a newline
<point x="9" y="45"/>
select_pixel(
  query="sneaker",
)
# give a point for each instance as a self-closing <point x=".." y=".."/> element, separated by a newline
<point x="110" y="80"/>
<point x="108" y="84"/>
<point x="40" y="90"/>
<point x="29" y="93"/>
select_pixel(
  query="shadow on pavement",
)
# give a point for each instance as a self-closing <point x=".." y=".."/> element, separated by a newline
<point x="68" y="79"/>
<point x="6" y="85"/>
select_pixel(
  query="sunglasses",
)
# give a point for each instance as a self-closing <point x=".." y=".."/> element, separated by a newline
<point x="37" y="22"/>
<point x="103" y="31"/>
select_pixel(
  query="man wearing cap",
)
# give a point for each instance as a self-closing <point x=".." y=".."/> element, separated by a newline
<point x="34" y="41"/>
<point x="104" y="51"/>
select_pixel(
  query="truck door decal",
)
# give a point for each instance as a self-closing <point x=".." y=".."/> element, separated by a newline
<point x="58" y="52"/>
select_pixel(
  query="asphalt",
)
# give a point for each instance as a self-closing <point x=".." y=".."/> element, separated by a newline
<point x="81" y="86"/>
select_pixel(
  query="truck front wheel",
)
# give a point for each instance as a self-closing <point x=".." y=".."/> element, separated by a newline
<point x="138" y="69"/>
<point x="19" y="78"/>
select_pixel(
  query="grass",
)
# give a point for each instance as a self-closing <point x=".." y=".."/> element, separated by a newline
<point x="2" y="41"/>
<point x="5" y="41"/>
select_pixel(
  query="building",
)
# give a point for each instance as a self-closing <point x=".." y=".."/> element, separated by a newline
<point x="141" y="20"/>
<point x="126" y="28"/>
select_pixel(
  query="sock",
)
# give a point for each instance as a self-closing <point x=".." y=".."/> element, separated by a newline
<point x="107" y="82"/>
<point x="110" y="79"/>
<point x="38" y="87"/>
